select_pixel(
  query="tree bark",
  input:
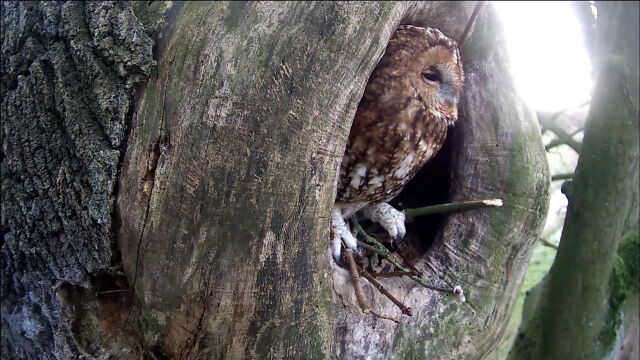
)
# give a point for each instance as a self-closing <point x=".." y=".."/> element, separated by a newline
<point x="67" y="73"/>
<point x="228" y="179"/>
<point x="576" y="313"/>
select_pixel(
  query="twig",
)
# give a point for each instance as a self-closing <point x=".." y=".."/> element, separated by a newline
<point x="390" y="274"/>
<point x="548" y="243"/>
<point x="387" y="255"/>
<point x="384" y="316"/>
<point x="567" y="176"/>
<point x="548" y="122"/>
<point x="377" y="246"/>
<point x="451" y="207"/>
<point x="472" y="19"/>
<point x="405" y="309"/>
<point x="576" y="131"/>
<point x="113" y="291"/>
<point x="357" y="288"/>
<point x="355" y="281"/>
<point x="407" y="262"/>
<point x="382" y="251"/>
<point x="564" y="139"/>
<point x="554" y="143"/>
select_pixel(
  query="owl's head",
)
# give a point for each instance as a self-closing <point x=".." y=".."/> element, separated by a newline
<point x="428" y="64"/>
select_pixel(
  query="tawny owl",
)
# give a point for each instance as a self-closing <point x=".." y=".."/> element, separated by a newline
<point x="410" y="100"/>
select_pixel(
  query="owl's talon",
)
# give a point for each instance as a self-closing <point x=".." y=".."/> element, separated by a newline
<point x="341" y="234"/>
<point x="389" y="218"/>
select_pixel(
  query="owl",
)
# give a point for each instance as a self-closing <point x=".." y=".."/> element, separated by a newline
<point x="400" y="124"/>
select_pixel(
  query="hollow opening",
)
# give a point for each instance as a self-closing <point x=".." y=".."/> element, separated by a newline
<point x="430" y="186"/>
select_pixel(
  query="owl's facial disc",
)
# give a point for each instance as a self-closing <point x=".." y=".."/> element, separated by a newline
<point x="442" y="81"/>
<point x="437" y="81"/>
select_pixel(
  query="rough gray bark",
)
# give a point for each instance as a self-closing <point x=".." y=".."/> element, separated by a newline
<point x="67" y="74"/>
<point x="229" y="176"/>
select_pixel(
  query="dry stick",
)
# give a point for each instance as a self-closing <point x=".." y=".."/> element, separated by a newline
<point x="357" y="288"/>
<point x="548" y="122"/>
<point x="405" y="309"/>
<point x="377" y="246"/>
<point x="355" y="281"/>
<point x="472" y="19"/>
<point x="452" y="207"/>
<point x="382" y="251"/>
<point x="406" y="261"/>
<point x="390" y="274"/>
<point x="548" y="243"/>
<point x="554" y="143"/>
<point x="558" y="177"/>
<point x="381" y="316"/>
<point x="113" y="291"/>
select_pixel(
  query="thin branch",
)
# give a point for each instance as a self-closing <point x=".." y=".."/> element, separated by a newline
<point x="452" y="207"/>
<point x="555" y="143"/>
<point x="357" y="288"/>
<point x="564" y="138"/>
<point x="387" y="255"/>
<point x="472" y="19"/>
<point x="113" y="291"/>
<point x="405" y="309"/>
<point x="407" y="262"/>
<point x="381" y="316"/>
<point x="355" y="281"/>
<point x="577" y="131"/>
<point x="375" y="246"/>
<point x="390" y="274"/>
<point x="557" y="177"/>
<point x="548" y="243"/>
<point x="548" y="122"/>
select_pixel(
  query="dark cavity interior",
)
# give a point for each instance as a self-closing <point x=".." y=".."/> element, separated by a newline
<point x="430" y="186"/>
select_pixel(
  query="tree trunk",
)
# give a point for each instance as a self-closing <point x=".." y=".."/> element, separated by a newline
<point x="227" y="182"/>
<point x="576" y="313"/>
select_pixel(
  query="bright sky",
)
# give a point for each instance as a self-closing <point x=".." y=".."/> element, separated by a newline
<point x="548" y="59"/>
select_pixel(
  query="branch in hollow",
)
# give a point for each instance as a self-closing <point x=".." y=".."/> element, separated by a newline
<point x="375" y="246"/>
<point x="355" y="281"/>
<point x="407" y="262"/>
<point x="405" y="309"/>
<point x="382" y="251"/>
<point x="357" y="288"/>
<point x="452" y="207"/>
<point x="390" y="274"/>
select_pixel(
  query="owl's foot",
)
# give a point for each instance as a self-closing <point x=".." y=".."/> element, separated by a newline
<point x="389" y="218"/>
<point x="341" y="233"/>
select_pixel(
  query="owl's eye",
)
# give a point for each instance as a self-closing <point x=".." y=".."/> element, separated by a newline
<point x="432" y="74"/>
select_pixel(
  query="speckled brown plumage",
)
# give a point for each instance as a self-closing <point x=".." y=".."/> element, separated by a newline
<point x="402" y="120"/>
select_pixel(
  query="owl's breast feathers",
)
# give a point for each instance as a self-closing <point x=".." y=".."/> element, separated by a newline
<point x="393" y="135"/>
